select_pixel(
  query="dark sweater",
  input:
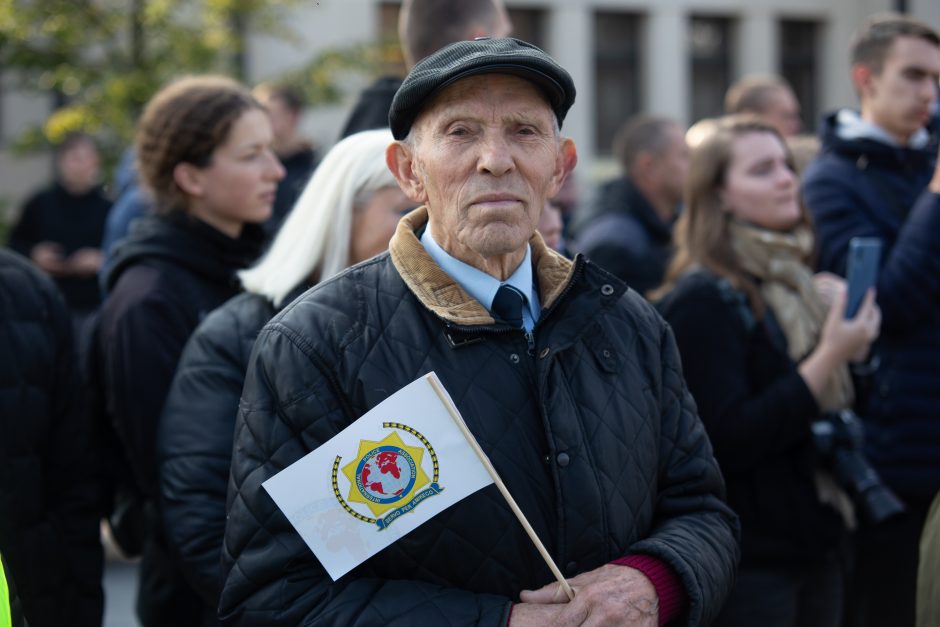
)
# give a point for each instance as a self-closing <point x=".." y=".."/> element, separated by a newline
<point x="757" y="411"/>
<point x="71" y="221"/>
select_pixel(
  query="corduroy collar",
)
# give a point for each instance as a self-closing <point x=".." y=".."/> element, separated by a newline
<point x="442" y="295"/>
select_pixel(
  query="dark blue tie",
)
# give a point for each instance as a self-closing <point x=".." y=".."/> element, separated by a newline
<point x="508" y="305"/>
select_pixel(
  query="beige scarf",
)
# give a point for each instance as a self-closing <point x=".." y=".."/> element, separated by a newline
<point x="787" y="287"/>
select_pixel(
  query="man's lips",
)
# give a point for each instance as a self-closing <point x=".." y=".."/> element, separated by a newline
<point x="496" y="199"/>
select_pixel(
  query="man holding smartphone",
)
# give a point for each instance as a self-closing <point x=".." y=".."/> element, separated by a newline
<point x="877" y="177"/>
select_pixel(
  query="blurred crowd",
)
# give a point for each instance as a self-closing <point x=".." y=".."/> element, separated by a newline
<point x="128" y="319"/>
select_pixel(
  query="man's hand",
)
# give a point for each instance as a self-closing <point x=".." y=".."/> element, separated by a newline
<point x="48" y="256"/>
<point x="85" y="262"/>
<point x="609" y="595"/>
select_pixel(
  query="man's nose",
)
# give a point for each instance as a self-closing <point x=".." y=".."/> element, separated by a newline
<point x="495" y="156"/>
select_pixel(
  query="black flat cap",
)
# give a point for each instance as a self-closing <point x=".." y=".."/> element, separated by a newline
<point x="480" y="56"/>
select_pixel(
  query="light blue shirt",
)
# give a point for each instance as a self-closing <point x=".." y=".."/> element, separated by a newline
<point x="482" y="286"/>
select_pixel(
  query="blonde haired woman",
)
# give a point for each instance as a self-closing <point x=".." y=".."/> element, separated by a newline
<point x="347" y="213"/>
<point x="765" y="357"/>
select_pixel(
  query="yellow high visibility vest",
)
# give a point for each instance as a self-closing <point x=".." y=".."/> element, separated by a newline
<point x="5" y="619"/>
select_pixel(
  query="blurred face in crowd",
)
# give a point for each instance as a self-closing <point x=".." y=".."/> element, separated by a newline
<point x="899" y="98"/>
<point x="783" y="112"/>
<point x="484" y="157"/>
<point x="374" y="222"/>
<point x="283" y="120"/>
<point x="550" y="226"/>
<point x="79" y="167"/>
<point x="670" y="169"/>
<point x="239" y="184"/>
<point x="760" y="186"/>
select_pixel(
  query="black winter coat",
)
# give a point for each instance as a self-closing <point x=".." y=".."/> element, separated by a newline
<point x="167" y="276"/>
<point x="50" y="498"/>
<point x="862" y="187"/>
<point x="757" y="410"/>
<point x="194" y="439"/>
<point x="626" y="236"/>
<point x="592" y="431"/>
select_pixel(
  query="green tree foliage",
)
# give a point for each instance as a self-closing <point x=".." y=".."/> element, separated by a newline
<point x="106" y="58"/>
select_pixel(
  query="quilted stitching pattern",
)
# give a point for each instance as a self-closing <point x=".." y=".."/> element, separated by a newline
<point x="598" y="442"/>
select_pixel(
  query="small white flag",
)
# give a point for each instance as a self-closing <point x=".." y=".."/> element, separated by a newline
<point x="401" y="463"/>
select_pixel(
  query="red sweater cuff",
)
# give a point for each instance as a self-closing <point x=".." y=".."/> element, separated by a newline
<point x="673" y="599"/>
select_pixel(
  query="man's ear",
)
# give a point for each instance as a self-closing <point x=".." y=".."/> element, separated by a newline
<point x="401" y="162"/>
<point x="862" y="76"/>
<point x="189" y="179"/>
<point x="564" y="164"/>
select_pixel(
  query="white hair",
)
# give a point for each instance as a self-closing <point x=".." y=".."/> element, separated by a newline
<point x="315" y="236"/>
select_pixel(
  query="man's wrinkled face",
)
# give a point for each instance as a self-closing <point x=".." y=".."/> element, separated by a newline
<point x="899" y="97"/>
<point x="486" y="156"/>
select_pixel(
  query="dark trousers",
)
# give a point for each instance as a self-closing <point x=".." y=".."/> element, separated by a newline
<point x="164" y="598"/>
<point x="882" y="587"/>
<point x="807" y="597"/>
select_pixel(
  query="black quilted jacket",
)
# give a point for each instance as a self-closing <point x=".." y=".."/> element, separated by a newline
<point x="194" y="437"/>
<point x="50" y="495"/>
<point x="592" y="430"/>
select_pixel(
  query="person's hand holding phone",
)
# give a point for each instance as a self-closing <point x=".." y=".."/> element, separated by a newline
<point x="850" y="339"/>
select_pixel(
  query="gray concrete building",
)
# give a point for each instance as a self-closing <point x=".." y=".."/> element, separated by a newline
<point x="671" y="57"/>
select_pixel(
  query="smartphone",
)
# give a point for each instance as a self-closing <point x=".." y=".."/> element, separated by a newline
<point x="862" y="271"/>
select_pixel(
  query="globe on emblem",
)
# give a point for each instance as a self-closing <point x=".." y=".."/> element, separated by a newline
<point x="386" y="474"/>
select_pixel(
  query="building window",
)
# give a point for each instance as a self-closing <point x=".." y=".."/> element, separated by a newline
<point x="711" y="46"/>
<point x="617" y="74"/>
<point x="799" y="46"/>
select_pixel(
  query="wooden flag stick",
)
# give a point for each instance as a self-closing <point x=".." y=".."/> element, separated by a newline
<point x="435" y="383"/>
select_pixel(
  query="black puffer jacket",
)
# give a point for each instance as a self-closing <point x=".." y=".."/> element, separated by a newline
<point x="194" y="438"/>
<point x="50" y="500"/>
<point x="592" y="431"/>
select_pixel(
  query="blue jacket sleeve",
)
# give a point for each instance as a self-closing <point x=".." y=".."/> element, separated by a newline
<point x="909" y="280"/>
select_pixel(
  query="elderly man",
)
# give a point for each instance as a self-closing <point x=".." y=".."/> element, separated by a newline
<point x="570" y="383"/>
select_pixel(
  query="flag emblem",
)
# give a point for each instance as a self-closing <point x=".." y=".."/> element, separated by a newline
<point x="387" y="477"/>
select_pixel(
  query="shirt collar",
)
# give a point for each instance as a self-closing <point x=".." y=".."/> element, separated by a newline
<point x="480" y="285"/>
<point x="851" y="126"/>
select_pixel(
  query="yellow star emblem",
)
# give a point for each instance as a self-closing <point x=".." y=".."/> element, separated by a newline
<point x="385" y="474"/>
